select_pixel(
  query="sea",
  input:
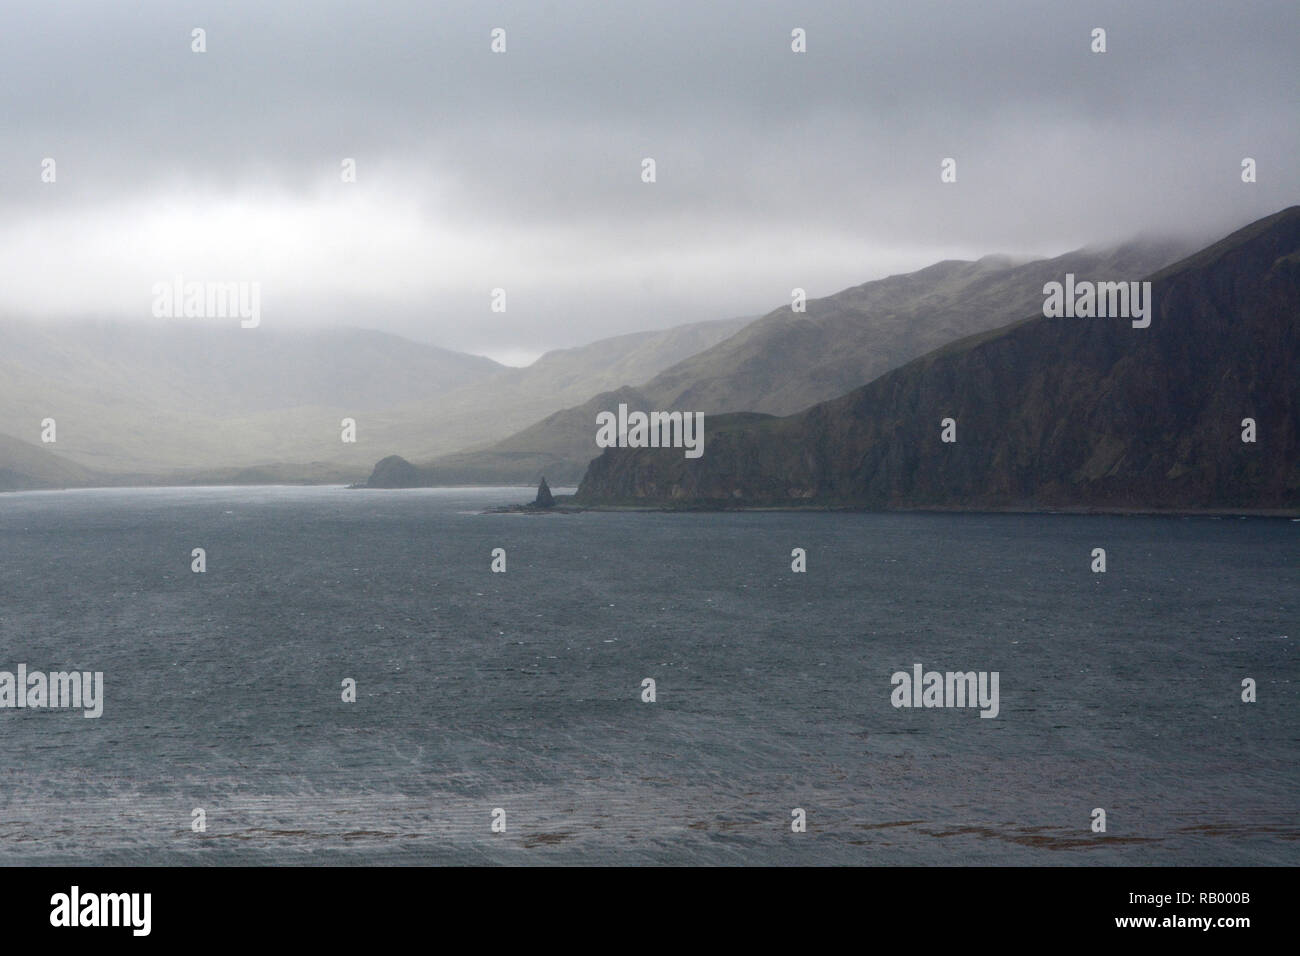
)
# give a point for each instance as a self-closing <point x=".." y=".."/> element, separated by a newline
<point x="506" y="717"/>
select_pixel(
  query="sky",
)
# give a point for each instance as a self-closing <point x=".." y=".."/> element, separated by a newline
<point x="522" y="170"/>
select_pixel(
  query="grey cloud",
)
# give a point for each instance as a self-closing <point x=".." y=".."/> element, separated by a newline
<point x="1056" y="146"/>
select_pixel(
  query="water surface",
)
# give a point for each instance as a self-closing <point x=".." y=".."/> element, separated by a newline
<point x="523" y="690"/>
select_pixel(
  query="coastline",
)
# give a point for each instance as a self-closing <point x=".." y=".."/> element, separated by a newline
<point x="565" y="505"/>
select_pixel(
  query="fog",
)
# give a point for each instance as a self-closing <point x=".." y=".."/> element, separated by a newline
<point x="522" y="170"/>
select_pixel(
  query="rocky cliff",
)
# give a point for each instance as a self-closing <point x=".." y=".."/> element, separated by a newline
<point x="1069" y="412"/>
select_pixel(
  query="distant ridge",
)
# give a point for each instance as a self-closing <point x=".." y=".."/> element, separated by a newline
<point x="24" y="465"/>
<point x="787" y="361"/>
<point x="180" y="401"/>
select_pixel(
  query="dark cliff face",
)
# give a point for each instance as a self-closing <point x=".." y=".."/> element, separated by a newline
<point x="1086" y="412"/>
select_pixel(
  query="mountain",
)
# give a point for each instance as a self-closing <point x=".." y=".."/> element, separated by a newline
<point x="570" y="374"/>
<point x="155" y="397"/>
<point x="28" y="466"/>
<point x="787" y="361"/>
<point x="560" y="446"/>
<point x="514" y="400"/>
<point x="179" y="401"/>
<point x="1050" y="412"/>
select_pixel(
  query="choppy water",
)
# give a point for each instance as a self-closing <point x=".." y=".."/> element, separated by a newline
<point x="522" y="690"/>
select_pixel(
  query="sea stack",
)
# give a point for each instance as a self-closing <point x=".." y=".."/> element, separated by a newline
<point x="544" y="496"/>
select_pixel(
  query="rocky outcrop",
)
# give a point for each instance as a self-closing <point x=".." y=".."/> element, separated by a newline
<point x="396" y="472"/>
<point x="544" y="497"/>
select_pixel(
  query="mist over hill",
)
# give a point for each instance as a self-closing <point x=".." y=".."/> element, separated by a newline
<point x="1047" y="412"/>
<point x="184" y="401"/>
<point x="24" y="465"/>
<point x="787" y="361"/>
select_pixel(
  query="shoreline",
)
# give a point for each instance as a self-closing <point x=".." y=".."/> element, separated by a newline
<point x="564" y="504"/>
<point x="569" y="507"/>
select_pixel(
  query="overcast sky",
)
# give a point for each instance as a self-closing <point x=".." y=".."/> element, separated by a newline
<point x="522" y="170"/>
